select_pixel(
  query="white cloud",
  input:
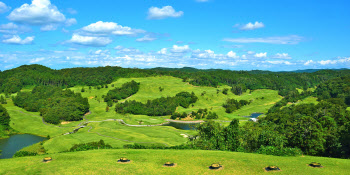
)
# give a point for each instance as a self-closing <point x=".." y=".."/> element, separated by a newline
<point x="48" y="27"/>
<point x="164" y="12"/>
<point x="17" y="40"/>
<point x="281" y="62"/>
<point x="260" y="55"/>
<point x="251" y="26"/>
<point x="35" y="60"/>
<point x="250" y="52"/>
<point x="90" y="40"/>
<point x="3" y="7"/>
<point x="292" y="39"/>
<point x="335" y="61"/>
<point x="232" y="54"/>
<point x="40" y="12"/>
<point x="163" y="51"/>
<point x="282" y="56"/>
<point x="12" y="28"/>
<point x="206" y="54"/>
<point x="309" y="62"/>
<point x="129" y="51"/>
<point x="180" y="49"/>
<point x="146" y="38"/>
<point x="118" y="47"/>
<point x="110" y="28"/>
<point x="70" y="22"/>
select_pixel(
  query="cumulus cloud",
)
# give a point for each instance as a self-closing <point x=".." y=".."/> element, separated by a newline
<point x="252" y="26"/>
<point x="3" y="7"/>
<point x="146" y="38"/>
<point x="39" y="12"/>
<point x="90" y="40"/>
<point x="260" y="55"/>
<point x="336" y="61"/>
<point x="232" y="54"/>
<point x="282" y="56"/>
<point x="292" y="39"/>
<point x="17" y="40"/>
<point x="163" y="51"/>
<point x="12" y="28"/>
<point x="180" y="49"/>
<point x="109" y="28"/>
<point x="203" y="54"/>
<point x="164" y="12"/>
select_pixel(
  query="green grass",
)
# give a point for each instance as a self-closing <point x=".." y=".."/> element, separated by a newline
<point x="118" y="135"/>
<point x="307" y="100"/>
<point x="149" y="89"/>
<point x="31" y="122"/>
<point x="151" y="161"/>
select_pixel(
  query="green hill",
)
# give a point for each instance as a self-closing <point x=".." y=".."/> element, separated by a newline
<point x="151" y="161"/>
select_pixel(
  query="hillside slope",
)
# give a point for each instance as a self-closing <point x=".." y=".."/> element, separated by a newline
<point x="151" y="161"/>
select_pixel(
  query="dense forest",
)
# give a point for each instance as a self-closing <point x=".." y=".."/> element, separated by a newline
<point x="123" y="92"/>
<point x="157" y="107"/>
<point x="200" y="114"/>
<point x="4" y="118"/>
<point x="321" y="130"/>
<point x="53" y="103"/>
<point x="15" y="79"/>
<point x="232" y="105"/>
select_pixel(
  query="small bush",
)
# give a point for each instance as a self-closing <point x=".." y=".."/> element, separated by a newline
<point x="24" y="153"/>
<point x="271" y="150"/>
<point x="90" y="146"/>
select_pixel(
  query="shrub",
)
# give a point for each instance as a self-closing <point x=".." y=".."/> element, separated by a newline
<point x="24" y="153"/>
<point x="271" y="150"/>
<point x="90" y="146"/>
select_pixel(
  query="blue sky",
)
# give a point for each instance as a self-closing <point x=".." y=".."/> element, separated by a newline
<point x="238" y="35"/>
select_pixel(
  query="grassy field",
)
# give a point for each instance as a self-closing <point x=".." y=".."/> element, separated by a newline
<point x="151" y="161"/>
<point x="262" y="100"/>
<point x="31" y="122"/>
<point x="307" y="100"/>
<point x="118" y="135"/>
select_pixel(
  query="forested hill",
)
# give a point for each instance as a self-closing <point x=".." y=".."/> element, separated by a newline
<point x="15" y="79"/>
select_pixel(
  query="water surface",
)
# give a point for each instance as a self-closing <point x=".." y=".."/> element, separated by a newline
<point x="255" y="115"/>
<point x="15" y="143"/>
<point x="184" y="126"/>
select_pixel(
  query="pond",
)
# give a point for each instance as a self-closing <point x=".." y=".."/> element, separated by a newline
<point x="254" y="115"/>
<point x="184" y="126"/>
<point x="15" y="143"/>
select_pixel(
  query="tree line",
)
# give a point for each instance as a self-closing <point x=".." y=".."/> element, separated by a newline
<point x="123" y="92"/>
<point x="157" y="107"/>
<point x="14" y="80"/>
<point x="53" y="103"/>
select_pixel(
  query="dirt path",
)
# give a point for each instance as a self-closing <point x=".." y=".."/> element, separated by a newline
<point x="126" y="99"/>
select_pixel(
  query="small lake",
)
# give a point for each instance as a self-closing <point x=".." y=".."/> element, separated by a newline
<point x="184" y="126"/>
<point x="254" y="115"/>
<point x="15" y="143"/>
